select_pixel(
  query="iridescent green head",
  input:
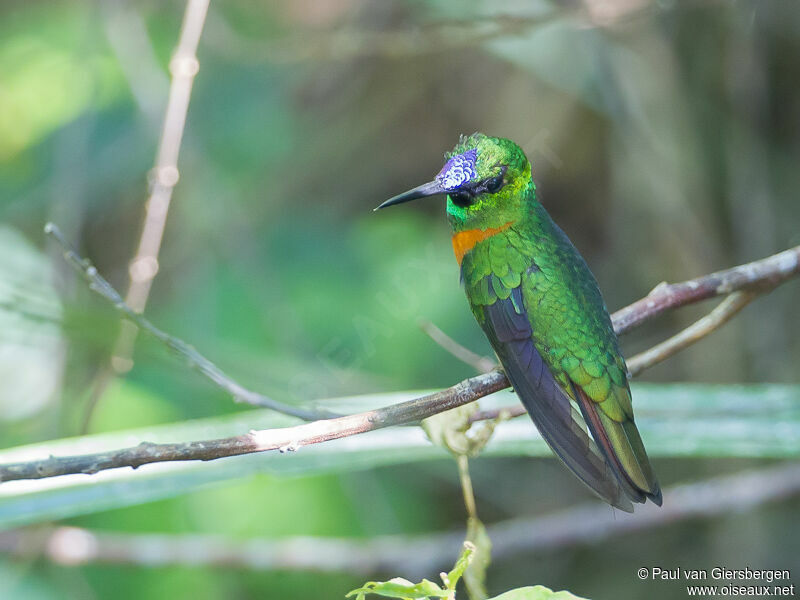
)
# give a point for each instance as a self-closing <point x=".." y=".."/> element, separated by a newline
<point x="487" y="181"/>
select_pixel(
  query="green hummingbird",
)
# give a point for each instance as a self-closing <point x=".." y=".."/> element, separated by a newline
<point x="540" y="306"/>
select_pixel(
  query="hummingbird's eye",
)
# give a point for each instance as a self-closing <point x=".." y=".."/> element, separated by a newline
<point x="494" y="184"/>
<point x="461" y="199"/>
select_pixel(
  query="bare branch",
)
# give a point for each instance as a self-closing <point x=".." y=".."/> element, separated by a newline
<point x="511" y="412"/>
<point x="583" y="524"/>
<point x="193" y="358"/>
<point x="723" y="313"/>
<point x="756" y="277"/>
<point x="283" y="439"/>
<point x="163" y="178"/>
<point x="761" y="274"/>
<point x="165" y="175"/>
<point x="482" y="364"/>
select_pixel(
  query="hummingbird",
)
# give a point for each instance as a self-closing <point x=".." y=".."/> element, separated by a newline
<point x="539" y="305"/>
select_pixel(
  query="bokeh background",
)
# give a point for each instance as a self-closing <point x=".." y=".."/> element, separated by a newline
<point x="665" y="140"/>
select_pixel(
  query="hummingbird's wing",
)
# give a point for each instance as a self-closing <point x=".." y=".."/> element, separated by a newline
<point x="560" y="422"/>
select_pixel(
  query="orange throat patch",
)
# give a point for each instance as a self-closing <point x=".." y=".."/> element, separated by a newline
<point x="464" y="241"/>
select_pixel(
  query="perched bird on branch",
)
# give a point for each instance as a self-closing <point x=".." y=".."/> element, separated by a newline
<point x="539" y="304"/>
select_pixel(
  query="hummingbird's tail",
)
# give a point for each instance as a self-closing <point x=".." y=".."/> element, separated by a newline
<point x="623" y="449"/>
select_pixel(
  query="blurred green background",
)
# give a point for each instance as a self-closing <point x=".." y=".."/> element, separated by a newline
<point x="665" y="140"/>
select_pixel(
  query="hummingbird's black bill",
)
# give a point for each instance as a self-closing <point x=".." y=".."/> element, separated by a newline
<point x="432" y="188"/>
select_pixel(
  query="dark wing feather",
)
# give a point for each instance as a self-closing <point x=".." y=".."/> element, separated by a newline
<point x="562" y="427"/>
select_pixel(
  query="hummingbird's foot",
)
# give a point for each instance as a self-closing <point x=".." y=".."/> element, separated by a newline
<point x="291" y="447"/>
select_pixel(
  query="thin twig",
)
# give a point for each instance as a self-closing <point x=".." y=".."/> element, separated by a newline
<point x="163" y="178"/>
<point x="482" y="364"/>
<point x="724" y="312"/>
<point x="511" y="412"/>
<point x="759" y="275"/>
<point x="462" y="460"/>
<point x="193" y="358"/>
<point x="585" y="524"/>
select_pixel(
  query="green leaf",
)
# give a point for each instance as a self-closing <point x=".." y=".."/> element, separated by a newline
<point x="475" y="573"/>
<point x="461" y="566"/>
<point x="400" y="588"/>
<point x="536" y="592"/>
<point x="406" y="590"/>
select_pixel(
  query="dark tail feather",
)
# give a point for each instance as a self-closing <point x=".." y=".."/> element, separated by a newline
<point x="623" y="449"/>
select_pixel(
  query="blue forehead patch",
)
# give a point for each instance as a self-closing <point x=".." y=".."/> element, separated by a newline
<point x="459" y="170"/>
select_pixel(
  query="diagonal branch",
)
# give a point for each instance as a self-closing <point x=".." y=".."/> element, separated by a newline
<point x="285" y="439"/>
<point x="482" y="364"/>
<point x="756" y="277"/>
<point x="193" y="358"/>
<point x="723" y="313"/>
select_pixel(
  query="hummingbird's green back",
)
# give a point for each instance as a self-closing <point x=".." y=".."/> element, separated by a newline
<point x="541" y="308"/>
